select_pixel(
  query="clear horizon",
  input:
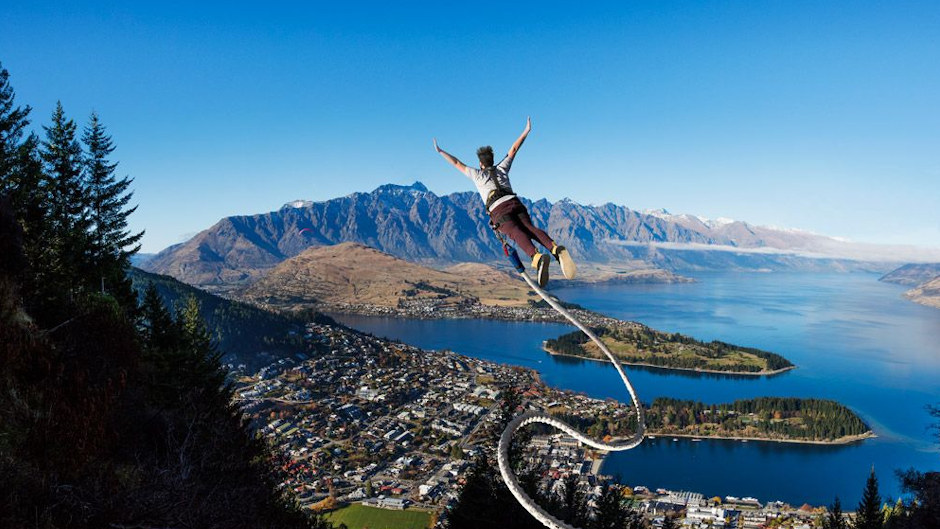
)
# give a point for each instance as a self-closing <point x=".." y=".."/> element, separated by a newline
<point x="800" y="115"/>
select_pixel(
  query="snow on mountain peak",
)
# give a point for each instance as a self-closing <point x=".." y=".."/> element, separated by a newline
<point x="297" y="204"/>
<point x="720" y="221"/>
<point x="659" y="212"/>
<point x="664" y="214"/>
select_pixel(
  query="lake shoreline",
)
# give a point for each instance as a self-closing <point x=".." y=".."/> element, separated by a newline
<point x="763" y="373"/>
<point x="597" y="464"/>
<point x="844" y="440"/>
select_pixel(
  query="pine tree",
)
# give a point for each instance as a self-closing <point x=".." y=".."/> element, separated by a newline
<point x="21" y="180"/>
<point x="834" y="519"/>
<point x="13" y="121"/>
<point x="574" y="508"/>
<point x="157" y="325"/>
<point x="475" y="506"/>
<point x="69" y="266"/>
<point x="201" y="358"/>
<point x="869" y="514"/>
<point x="611" y="512"/>
<point x="194" y="327"/>
<point x="112" y="243"/>
<point x="30" y="195"/>
<point x="511" y="400"/>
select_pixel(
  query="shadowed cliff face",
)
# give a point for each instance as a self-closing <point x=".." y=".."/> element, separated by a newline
<point x="413" y="223"/>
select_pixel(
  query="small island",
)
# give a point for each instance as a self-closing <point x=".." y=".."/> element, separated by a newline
<point x="779" y="419"/>
<point x="789" y="419"/>
<point x="637" y="344"/>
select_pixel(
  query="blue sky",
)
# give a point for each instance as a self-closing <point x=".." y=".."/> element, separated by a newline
<point x="815" y="115"/>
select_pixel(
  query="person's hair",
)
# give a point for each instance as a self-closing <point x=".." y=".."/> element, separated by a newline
<point x="485" y="154"/>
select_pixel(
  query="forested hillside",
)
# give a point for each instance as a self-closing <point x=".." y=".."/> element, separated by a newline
<point x="245" y="334"/>
<point x="113" y="413"/>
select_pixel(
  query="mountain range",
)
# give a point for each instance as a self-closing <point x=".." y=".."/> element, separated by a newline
<point x="415" y="224"/>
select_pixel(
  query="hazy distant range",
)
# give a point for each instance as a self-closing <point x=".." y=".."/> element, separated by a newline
<point x="415" y="224"/>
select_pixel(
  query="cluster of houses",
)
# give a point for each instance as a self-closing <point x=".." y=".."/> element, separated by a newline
<point x="693" y="511"/>
<point x="444" y="307"/>
<point x="355" y="409"/>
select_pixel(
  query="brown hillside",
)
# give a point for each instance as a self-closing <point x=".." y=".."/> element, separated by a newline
<point x="351" y="273"/>
<point x="926" y="294"/>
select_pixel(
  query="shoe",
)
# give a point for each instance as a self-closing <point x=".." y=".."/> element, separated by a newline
<point x="564" y="259"/>
<point x="540" y="262"/>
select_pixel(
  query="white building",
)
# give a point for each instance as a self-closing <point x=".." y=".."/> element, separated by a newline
<point x="714" y="516"/>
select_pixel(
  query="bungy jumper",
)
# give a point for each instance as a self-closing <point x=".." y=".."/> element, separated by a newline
<point x="534" y="417"/>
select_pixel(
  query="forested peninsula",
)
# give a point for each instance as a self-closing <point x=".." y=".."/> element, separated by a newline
<point x="766" y="418"/>
<point x="637" y="344"/>
<point x="784" y="419"/>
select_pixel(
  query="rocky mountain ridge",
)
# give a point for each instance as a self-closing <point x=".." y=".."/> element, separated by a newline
<point x="413" y="223"/>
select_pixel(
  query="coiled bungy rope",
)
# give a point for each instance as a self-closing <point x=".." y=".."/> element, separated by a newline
<point x="534" y="417"/>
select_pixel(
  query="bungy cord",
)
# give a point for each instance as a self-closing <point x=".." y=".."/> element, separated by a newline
<point x="535" y="417"/>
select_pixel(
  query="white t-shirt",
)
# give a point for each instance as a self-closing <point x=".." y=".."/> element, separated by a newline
<point x="486" y="185"/>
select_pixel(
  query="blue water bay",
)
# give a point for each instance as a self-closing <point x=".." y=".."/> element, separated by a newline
<point x="853" y="338"/>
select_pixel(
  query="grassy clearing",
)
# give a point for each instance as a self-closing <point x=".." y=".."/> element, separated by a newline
<point x="357" y="516"/>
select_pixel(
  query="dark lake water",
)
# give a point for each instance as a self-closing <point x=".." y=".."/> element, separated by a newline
<point x="855" y="340"/>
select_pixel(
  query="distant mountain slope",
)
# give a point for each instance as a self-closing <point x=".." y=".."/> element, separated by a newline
<point x="139" y="258"/>
<point x="926" y="294"/>
<point x="241" y="331"/>
<point x="913" y="274"/>
<point x="352" y="273"/>
<point x="413" y="223"/>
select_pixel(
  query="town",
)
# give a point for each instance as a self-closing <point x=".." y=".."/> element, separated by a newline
<point x="357" y="419"/>
<point x="443" y="307"/>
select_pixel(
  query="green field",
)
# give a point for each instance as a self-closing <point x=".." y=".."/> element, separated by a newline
<point x="357" y="516"/>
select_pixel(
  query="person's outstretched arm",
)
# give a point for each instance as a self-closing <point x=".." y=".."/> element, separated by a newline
<point x="450" y="158"/>
<point x="518" y="143"/>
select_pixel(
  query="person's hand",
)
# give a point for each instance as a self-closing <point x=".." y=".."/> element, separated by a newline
<point x="436" y="148"/>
